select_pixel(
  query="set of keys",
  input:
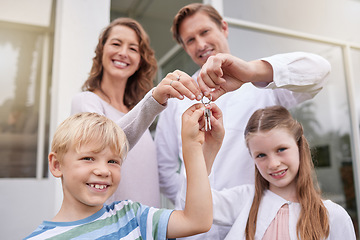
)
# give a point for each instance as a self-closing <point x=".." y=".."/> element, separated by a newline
<point x="207" y="113"/>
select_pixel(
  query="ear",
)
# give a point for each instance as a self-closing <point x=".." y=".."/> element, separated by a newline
<point x="225" y="28"/>
<point x="54" y="165"/>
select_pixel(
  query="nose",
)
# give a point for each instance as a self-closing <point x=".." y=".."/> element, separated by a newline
<point x="102" y="170"/>
<point x="274" y="162"/>
<point x="123" y="51"/>
<point x="200" y="43"/>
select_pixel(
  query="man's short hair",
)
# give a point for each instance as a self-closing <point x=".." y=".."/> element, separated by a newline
<point x="190" y="10"/>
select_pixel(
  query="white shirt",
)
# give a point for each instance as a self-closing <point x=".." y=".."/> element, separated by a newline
<point x="232" y="207"/>
<point x="297" y="77"/>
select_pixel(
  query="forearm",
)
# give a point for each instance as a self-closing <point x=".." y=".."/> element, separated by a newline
<point x="135" y="122"/>
<point x="298" y="71"/>
<point x="262" y="71"/>
<point x="198" y="203"/>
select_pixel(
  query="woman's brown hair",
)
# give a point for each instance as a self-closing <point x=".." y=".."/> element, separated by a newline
<point x="142" y="80"/>
<point x="313" y="222"/>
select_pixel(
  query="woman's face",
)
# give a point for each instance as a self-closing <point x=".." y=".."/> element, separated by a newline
<point x="121" y="56"/>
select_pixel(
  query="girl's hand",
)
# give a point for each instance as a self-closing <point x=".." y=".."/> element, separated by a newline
<point x="213" y="138"/>
<point x="176" y="85"/>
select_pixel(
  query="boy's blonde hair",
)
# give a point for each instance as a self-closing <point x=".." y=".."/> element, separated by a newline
<point x="84" y="128"/>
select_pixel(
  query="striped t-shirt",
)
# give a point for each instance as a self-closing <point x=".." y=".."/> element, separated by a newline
<point x="121" y="220"/>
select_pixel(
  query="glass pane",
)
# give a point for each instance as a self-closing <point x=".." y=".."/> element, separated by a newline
<point x="181" y="61"/>
<point x="326" y="118"/>
<point x="20" y="65"/>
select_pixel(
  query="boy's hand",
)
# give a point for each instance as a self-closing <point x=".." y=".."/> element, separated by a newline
<point x="192" y="122"/>
<point x="192" y="131"/>
<point x="177" y="85"/>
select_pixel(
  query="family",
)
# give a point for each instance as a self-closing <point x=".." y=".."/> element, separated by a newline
<point x="249" y="176"/>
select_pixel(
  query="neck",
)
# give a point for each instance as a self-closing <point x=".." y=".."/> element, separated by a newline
<point x="74" y="212"/>
<point x="114" y="90"/>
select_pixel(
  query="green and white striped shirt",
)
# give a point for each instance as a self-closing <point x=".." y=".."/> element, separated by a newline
<point x="120" y="220"/>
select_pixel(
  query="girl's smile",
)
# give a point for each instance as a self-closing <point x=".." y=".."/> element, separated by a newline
<point x="276" y="156"/>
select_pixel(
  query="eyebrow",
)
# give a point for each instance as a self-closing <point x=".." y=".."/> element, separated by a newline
<point x="131" y="44"/>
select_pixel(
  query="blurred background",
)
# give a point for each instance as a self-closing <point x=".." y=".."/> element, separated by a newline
<point x="46" y="50"/>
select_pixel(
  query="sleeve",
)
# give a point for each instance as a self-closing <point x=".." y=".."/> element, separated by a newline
<point x="134" y="123"/>
<point x="153" y="222"/>
<point x="341" y="225"/>
<point x="228" y="204"/>
<point x="298" y="76"/>
<point x="167" y="150"/>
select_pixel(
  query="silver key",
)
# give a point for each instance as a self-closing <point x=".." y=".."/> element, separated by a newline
<point x="207" y="115"/>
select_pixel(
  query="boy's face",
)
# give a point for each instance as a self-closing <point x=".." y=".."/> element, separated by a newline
<point x="89" y="178"/>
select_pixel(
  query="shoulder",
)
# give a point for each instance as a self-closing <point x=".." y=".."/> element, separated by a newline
<point x="87" y="102"/>
<point x="340" y="220"/>
<point x="335" y="210"/>
<point x="85" y="95"/>
<point x="236" y="193"/>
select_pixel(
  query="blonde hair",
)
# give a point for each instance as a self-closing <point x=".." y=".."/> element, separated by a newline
<point x="313" y="222"/>
<point x="84" y="128"/>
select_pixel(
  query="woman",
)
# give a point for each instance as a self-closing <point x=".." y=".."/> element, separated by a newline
<point x="122" y="74"/>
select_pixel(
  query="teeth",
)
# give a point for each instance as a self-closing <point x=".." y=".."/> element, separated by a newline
<point x="277" y="174"/>
<point x="206" y="54"/>
<point x="120" y="63"/>
<point x="97" y="186"/>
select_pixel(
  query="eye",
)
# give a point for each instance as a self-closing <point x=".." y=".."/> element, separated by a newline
<point x="204" y="32"/>
<point x="87" y="159"/>
<point x="260" y="155"/>
<point x="189" y="41"/>
<point x="281" y="149"/>
<point x="134" y="49"/>
<point x="112" y="161"/>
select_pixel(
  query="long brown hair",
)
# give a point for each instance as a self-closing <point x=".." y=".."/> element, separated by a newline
<point x="313" y="222"/>
<point x="142" y="80"/>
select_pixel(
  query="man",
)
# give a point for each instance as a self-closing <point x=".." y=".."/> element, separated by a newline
<point x="285" y="79"/>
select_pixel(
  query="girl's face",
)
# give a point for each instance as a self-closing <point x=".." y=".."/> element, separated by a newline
<point x="276" y="155"/>
<point x="121" y="55"/>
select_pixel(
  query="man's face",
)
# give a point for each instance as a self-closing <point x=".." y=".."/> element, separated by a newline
<point x="202" y="38"/>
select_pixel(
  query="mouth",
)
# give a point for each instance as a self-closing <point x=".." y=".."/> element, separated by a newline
<point x="278" y="174"/>
<point x="206" y="54"/>
<point x="98" y="186"/>
<point x="120" y="64"/>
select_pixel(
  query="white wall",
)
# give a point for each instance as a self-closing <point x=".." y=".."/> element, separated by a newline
<point x="77" y="28"/>
<point x="24" y="203"/>
<point x="331" y="18"/>
<point x="33" y="12"/>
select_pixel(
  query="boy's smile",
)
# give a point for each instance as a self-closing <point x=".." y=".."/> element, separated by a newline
<point x="89" y="178"/>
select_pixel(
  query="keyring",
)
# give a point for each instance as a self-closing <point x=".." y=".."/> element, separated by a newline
<point x="206" y="103"/>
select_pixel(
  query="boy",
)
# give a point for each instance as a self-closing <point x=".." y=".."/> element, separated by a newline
<point x="87" y="152"/>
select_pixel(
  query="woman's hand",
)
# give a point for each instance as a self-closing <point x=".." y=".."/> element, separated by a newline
<point x="177" y="85"/>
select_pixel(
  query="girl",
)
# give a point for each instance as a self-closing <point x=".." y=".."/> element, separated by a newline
<point x="122" y="74"/>
<point x="284" y="203"/>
